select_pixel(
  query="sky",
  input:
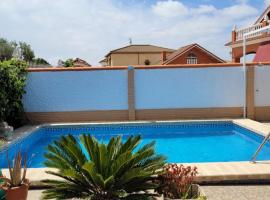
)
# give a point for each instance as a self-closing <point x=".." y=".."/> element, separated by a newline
<point x="89" y="29"/>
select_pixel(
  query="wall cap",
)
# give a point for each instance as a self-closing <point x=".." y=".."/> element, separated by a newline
<point x="57" y="69"/>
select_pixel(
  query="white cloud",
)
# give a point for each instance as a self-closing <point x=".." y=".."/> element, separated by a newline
<point x="205" y="9"/>
<point x="267" y="2"/>
<point x="89" y="29"/>
<point x="170" y="9"/>
<point x="238" y="11"/>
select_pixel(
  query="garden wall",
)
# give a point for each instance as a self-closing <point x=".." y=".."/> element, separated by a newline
<point x="262" y="92"/>
<point x="146" y="93"/>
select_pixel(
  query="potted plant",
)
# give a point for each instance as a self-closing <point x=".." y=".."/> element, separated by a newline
<point x="16" y="187"/>
<point x="176" y="182"/>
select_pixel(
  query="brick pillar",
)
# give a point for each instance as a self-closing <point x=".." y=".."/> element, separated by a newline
<point x="233" y="36"/>
<point x="235" y="59"/>
<point x="131" y="94"/>
<point x="250" y="93"/>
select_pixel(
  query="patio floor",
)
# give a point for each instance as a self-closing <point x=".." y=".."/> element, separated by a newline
<point x="220" y="192"/>
<point x="237" y="192"/>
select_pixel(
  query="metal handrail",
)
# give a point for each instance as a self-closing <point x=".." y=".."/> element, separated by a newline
<point x="253" y="159"/>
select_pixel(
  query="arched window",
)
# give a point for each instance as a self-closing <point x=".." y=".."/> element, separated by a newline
<point x="191" y="58"/>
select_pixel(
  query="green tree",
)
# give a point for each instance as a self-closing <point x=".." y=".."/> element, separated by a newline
<point x="40" y="61"/>
<point x="98" y="171"/>
<point x="69" y="62"/>
<point x="6" y="49"/>
<point x="27" y="52"/>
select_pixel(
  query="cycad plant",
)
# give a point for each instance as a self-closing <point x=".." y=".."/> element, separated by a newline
<point x="98" y="171"/>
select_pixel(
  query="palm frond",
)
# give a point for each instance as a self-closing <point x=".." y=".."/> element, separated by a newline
<point x="103" y="171"/>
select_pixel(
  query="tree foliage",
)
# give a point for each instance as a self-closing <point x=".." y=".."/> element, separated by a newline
<point x="98" y="171"/>
<point x="12" y="82"/>
<point x="6" y="49"/>
<point x="27" y="52"/>
<point x="21" y="50"/>
<point x="40" y="61"/>
<point x="68" y="63"/>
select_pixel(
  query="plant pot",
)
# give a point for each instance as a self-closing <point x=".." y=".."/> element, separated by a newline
<point x="17" y="193"/>
<point x="196" y="192"/>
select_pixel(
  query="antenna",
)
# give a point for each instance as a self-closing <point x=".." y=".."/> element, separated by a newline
<point x="130" y="41"/>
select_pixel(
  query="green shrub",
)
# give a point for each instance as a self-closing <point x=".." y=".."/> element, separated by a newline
<point x="98" y="171"/>
<point x="12" y="82"/>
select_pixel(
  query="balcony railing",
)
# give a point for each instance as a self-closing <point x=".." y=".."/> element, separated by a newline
<point x="240" y="33"/>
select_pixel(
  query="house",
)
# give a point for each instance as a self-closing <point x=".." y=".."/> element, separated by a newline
<point x="191" y="54"/>
<point x="139" y="54"/>
<point x="80" y="63"/>
<point x="256" y="43"/>
<point x="77" y="62"/>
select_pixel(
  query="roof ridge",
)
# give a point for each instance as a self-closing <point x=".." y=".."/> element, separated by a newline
<point x="142" y="45"/>
<point x="263" y="13"/>
<point x="179" y="51"/>
<point x="183" y="49"/>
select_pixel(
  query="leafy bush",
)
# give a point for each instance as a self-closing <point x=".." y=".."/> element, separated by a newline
<point x="176" y="181"/>
<point x="102" y="171"/>
<point x="12" y="82"/>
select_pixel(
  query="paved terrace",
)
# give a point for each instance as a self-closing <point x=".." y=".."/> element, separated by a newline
<point x="221" y="192"/>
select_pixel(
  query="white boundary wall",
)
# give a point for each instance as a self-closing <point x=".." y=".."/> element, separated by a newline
<point x="54" y="91"/>
<point x="262" y="86"/>
<point x="76" y="91"/>
<point x="189" y="88"/>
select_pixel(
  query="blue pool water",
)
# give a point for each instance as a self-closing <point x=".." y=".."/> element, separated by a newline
<point x="180" y="142"/>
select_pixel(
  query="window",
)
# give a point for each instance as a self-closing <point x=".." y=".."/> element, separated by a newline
<point x="191" y="58"/>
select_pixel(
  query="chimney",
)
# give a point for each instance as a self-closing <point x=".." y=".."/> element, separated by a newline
<point x="234" y="34"/>
<point x="163" y="56"/>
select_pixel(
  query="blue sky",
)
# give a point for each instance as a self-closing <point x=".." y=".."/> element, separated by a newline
<point x="90" y="28"/>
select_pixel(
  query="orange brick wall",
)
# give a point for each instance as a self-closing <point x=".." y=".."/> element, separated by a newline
<point x="202" y="57"/>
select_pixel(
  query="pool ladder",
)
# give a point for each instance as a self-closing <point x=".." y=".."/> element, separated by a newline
<point x="253" y="159"/>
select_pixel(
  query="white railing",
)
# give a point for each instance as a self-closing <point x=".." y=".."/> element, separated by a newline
<point x="240" y="33"/>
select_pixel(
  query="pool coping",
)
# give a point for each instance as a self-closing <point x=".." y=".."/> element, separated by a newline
<point x="212" y="172"/>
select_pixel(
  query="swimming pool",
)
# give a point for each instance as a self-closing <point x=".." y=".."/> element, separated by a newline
<point x="181" y="142"/>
